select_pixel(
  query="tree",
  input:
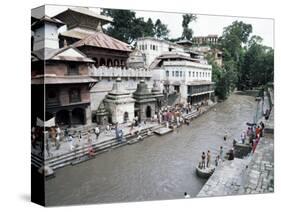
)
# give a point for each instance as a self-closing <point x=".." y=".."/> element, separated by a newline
<point x="231" y="42"/>
<point x="187" y="32"/>
<point x="160" y="29"/>
<point x="257" y="67"/>
<point x="127" y="27"/>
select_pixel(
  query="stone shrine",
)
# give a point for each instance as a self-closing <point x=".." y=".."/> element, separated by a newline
<point x="120" y="103"/>
<point x="145" y="102"/>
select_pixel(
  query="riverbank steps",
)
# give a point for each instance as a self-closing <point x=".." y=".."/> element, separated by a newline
<point x="64" y="156"/>
<point x="251" y="175"/>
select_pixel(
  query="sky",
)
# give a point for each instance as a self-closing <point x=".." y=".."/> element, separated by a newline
<point x="203" y="26"/>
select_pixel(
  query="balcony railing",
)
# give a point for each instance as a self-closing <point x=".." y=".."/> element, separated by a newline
<point x="104" y="71"/>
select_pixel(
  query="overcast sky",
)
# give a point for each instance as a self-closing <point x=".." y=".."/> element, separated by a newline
<point x="203" y="26"/>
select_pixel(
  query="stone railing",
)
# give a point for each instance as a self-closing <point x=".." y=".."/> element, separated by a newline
<point x="104" y="71"/>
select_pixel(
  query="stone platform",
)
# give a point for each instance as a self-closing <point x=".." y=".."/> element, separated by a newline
<point x="163" y="131"/>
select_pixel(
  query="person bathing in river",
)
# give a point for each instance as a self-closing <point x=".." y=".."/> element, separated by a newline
<point x="208" y="158"/>
<point x="203" y="157"/>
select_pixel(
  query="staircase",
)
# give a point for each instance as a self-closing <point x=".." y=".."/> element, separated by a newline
<point x="80" y="153"/>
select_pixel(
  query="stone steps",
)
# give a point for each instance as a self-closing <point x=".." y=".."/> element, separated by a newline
<point x="81" y="153"/>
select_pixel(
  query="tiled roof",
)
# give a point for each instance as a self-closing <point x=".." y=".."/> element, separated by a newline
<point x="101" y="40"/>
<point x="84" y="11"/>
<point x="53" y="54"/>
<point x="45" y="19"/>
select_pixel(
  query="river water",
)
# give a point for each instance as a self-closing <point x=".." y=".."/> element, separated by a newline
<point x="160" y="167"/>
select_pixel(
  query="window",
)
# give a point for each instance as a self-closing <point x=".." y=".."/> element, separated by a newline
<point x="150" y="47"/>
<point x="177" y="73"/>
<point x="196" y="74"/>
<point x="73" y="69"/>
<point x="200" y="74"/>
<point x="74" y="95"/>
<point x="145" y="47"/>
<point x="167" y="73"/>
<point x="180" y="73"/>
<point x="193" y="74"/>
<point x="173" y="73"/>
<point x="189" y="73"/>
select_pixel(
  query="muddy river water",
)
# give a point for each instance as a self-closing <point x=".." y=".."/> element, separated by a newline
<point x="160" y="167"/>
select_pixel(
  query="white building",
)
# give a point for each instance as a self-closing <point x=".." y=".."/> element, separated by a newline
<point x="190" y="77"/>
<point x="153" y="47"/>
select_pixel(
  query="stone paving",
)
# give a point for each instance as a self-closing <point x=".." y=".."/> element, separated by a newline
<point x="252" y="175"/>
<point x="259" y="177"/>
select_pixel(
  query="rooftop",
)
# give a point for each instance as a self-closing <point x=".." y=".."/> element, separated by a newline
<point x="39" y="22"/>
<point x="72" y="15"/>
<point x="60" y="54"/>
<point x="98" y="39"/>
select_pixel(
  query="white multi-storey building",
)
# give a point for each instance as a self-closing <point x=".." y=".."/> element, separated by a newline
<point x="188" y="76"/>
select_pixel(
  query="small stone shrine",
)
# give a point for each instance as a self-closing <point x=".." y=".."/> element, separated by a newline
<point x="102" y="114"/>
<point x="145" y="102"/>
<point x="120" y="103"/>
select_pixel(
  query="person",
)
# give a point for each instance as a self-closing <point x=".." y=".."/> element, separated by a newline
<point x="186" y="196"/>
<point x="107" y="130"/>
<point x="262" y="129"/>
<point x="255" y="144"/>
<point x="203" y="157"/>
<point x="208" y="158"/>
<point x="91" y="151"/>
<point x="217" y="160"/>
<point x="57" y="141"/>
<point x="79" y="137"/>
<point x="225" y="137"/>
<point x="97" y="132"/>
<point x="243" y="137"/>
<point x="258" y="131"/>
<point x="221" y="152"/>
<point x="70" y="140"/>
<point x="89" y="137"/>
<point x="231" y="154"/>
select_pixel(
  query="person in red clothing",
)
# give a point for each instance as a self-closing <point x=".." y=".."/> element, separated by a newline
<point x="256" y="143"/>
<point x="258" y="130"/>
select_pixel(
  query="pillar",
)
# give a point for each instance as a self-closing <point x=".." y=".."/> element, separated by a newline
<point x="70" y="117"/>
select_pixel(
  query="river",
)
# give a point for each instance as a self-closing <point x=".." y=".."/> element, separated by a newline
<point x="158" y="168"/>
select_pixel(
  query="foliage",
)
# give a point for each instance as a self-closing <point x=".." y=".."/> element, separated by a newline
<point x="246" y="62"/>
<point x="161" y="30"/>
<point x="127" y="27"/>
<point x="187" y="32"/>
<point x="257" y="67"/>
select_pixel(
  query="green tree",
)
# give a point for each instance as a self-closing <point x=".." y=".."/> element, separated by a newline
<point x="160" y="29"/>
<point x="187" y="32"/>
<point x="233" y="39"/>
<point x="127" y="27"/>
<point x="257" y="67"/>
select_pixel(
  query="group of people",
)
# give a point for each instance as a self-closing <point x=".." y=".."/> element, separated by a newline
<point x="254" y="133"/>
<point x="205" y="160"/>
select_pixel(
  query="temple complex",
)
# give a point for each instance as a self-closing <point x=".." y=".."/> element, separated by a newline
<point x="61" y="75"/>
